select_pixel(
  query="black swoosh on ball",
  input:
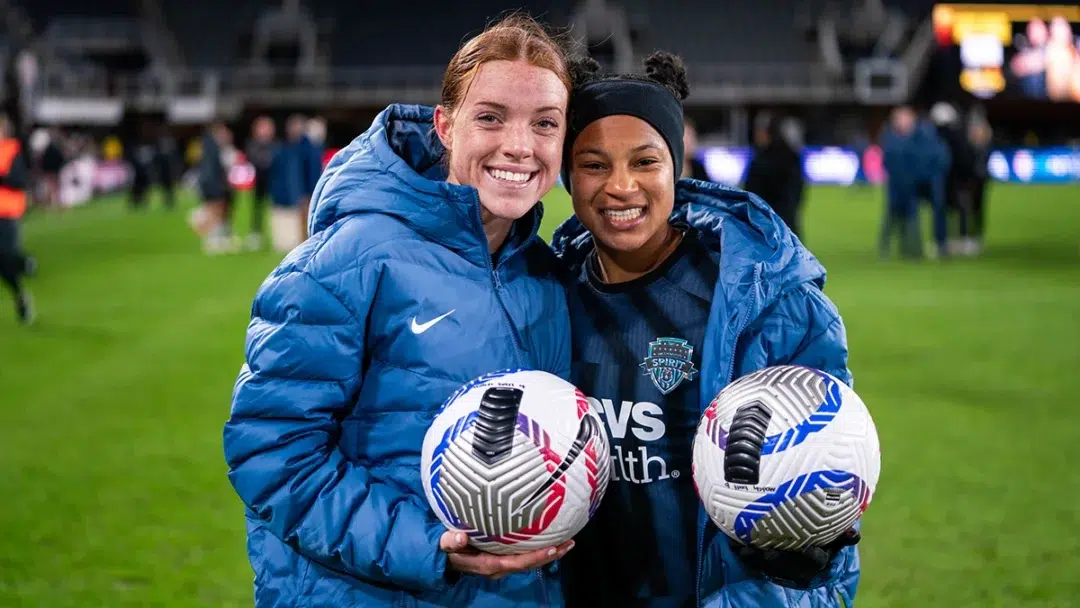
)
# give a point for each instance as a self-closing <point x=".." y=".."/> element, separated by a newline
<point x="496" y="422"/>
<point x="745" y="438"/>
<point x="586" y="430"/>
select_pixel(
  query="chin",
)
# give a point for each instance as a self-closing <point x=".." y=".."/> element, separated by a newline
<point x="509" y="207"/>
<point x="620" y="241"/>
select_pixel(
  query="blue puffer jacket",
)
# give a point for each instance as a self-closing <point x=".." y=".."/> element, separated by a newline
<point x="355" y="341"/>
<point x="768" y="309"/>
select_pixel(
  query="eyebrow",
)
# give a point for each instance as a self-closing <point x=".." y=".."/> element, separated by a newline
<point x="503" y="108"/>
<point x="492" y="104"/>
<point x="635" y="150"/>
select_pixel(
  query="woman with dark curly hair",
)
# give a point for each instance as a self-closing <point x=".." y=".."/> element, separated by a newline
<point x="713" y="279"/>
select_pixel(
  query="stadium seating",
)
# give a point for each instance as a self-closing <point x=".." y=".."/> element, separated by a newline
<point x="213" y="42"/>
<point x="762" y="31"/>
<point x="42" y="12"/>
<point x="701" y="33"/>
<point x="364" y="31"/>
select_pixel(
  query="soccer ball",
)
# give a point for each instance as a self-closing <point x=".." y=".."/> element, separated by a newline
<point x="786" y="457"/>
<point x="516" y="459"/>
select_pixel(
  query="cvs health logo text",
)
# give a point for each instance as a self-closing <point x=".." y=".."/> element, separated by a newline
<point x="645" y="422"/>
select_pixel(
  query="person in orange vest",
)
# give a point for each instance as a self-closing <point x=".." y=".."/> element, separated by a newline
<point x="14" y="264"/>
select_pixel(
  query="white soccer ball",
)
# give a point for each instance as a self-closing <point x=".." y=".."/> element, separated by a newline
<point x="517" y="459"/>
<point x="786" y="457"/>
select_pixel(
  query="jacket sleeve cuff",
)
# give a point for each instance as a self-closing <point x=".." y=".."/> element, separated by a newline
<point x="417" y="563"/>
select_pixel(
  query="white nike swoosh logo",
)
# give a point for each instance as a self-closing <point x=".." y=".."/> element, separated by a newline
<point x="419" y="328"/>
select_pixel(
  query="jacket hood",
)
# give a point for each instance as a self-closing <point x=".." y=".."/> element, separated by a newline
<point x="395" y="168"/>
<point x="758" y="247"/>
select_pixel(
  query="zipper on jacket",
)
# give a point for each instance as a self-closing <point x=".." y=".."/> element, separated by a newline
<point x="519" y="342"/>
<point x="731" y="370"/>
<point x="493" y="270"/>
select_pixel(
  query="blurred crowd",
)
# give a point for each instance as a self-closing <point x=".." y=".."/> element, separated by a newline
<point x="69" y="168"/>
<point x="285" y="172"/>
<point x="939" y="160"/>
<point x="936" y="161"/>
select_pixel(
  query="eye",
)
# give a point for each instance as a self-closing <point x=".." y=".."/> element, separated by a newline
<point x="547" y="123"/>
<point x="592" y="165"/>
<point x="646" y="162"/>
<point x="487" y="118"/>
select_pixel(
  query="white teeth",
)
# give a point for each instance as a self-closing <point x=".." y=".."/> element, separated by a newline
<point x="509" y="176"/>
<point x="624" y="215"/>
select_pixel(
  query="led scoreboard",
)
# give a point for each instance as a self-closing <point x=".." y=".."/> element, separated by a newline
<point x="1013" y="50"/>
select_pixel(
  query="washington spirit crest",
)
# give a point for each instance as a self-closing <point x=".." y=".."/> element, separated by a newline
<point x="669" y="363"/>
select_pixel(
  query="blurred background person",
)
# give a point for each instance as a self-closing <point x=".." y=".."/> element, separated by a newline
<point x="46" y="160"/>
<point x="141" y="156"/>
<point x="230" y="156"/>
<point x="1061" y="58"/>
<point x="292" y="182"/>
<point x="260" y="153"/>
<point x="959" y="180"/>
<point x="167" y="164"/>
<point x="900" y="157"/>
<point x="77" y="178"/>
<point x="52" y="162"/>
<point x="316" y="134"/>
<point x="1028" y="65"/>
<point x="775" y="171"/>
<point x="15" y="265"/>
<point x="932" y="162"/>
<point x="980" y="137"/>
<point x="692" y="165"/>
<point x="210" y="220"/>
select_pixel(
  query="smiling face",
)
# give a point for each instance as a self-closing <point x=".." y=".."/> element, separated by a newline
<point x="623" y="184"/>
<point x="505" y="138"/>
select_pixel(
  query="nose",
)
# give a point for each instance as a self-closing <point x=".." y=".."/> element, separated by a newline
<point x="518" y="142"/>
<point x="621" y="183"/>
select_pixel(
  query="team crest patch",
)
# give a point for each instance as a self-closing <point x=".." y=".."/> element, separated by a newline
<point x="669" y="363"/>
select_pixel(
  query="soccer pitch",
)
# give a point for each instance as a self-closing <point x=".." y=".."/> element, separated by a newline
<point x="111" y="463"/>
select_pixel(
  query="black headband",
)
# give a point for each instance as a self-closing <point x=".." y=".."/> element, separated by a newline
<point x="649" y="101"/>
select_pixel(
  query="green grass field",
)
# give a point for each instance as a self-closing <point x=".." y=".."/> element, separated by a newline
<point x="111" y="468"/>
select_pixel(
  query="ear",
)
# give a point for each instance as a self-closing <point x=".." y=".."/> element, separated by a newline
<point x="444" y="124"/>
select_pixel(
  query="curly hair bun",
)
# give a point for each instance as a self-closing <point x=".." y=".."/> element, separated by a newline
<point x="669" y="71"/>
<point x="583" y="70"/>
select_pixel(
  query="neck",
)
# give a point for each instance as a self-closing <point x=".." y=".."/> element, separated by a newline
<point x="496" y="229"/>
<point x="622" y="266"/>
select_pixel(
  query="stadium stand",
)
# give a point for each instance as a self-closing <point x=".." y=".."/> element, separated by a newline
<point x="44" y="12"/>
<point x="746" y="52"/>
<point x="750" y="33"/>
<point x="373" y="27"/>
<point x="212" y="43"/>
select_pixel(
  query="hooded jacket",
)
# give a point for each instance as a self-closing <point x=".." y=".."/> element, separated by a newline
<point x="768" y="309"/>
<point x="355" y="341"/>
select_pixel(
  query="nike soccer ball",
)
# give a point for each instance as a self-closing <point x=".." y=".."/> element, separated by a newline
<point x="786" y="457"/>
<point x="517" y="459"/>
